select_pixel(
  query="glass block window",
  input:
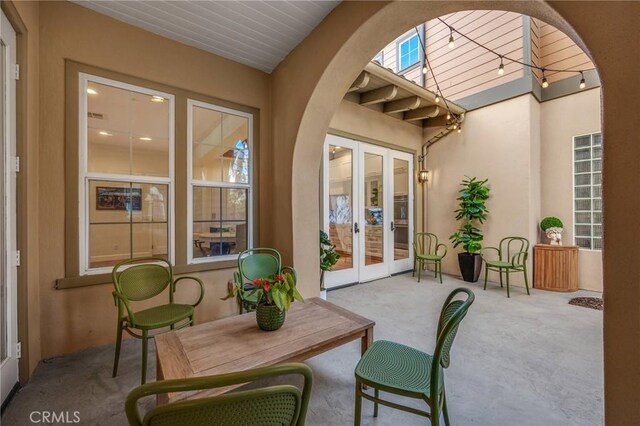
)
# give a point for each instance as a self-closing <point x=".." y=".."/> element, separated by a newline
<point x="587" y="191"/>
<point x="408" y="52"/>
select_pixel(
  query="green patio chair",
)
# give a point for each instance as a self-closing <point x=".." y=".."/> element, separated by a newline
<point x="257" y="263"/>
<point x="513" y="253"/>
<point x="142" y="279"/>
<point x="265" y="406"/>
<point x="402" y="370"/>
<point x="426" y="249"/>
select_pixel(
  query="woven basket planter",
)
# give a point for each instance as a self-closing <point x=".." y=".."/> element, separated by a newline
<point x="269" y="318"/>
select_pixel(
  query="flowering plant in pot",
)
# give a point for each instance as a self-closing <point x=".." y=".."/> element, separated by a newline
<point x="472" y="209"/>
<point x="275" y="294"/>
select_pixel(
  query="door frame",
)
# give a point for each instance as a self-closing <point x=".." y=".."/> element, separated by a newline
<point x="10" y="365"/>
<point x="354" y="275"/>
<point x="402" y="265"/>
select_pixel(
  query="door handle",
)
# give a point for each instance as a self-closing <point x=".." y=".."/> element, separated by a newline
<point x="355" y="228"/>
<point x="393" y="227"/>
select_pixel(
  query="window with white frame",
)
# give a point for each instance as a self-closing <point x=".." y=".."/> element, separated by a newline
<point x="408" y="52"/>
<point x="587" y="181"/>
<point x="126" y="173"/>
<point x="220" y="193"/>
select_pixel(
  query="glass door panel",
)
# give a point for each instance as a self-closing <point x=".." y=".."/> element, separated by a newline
<point x="401" y="197"/>
<point x="340" y="196"/>
<point x="373" y="209"/>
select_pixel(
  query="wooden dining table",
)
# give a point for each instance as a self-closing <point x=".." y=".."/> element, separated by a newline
<point x="236" y="343"/>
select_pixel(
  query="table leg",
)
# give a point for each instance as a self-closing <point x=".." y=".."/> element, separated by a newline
<point x="367" y="340"/>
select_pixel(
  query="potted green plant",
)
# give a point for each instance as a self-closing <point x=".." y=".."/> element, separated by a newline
<point x="328" y="258"/>
<point x="553" y="228"/>
<point x="275" y="295"/>
<point x="472" y="209"/>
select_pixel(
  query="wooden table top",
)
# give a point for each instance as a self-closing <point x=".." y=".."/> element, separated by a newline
<point x="237" y="344"/>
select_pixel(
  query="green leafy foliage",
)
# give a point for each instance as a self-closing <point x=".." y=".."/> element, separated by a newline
<point x="328" y="255"/>
<point x="472" y="209"/>
<point x="551" y="222"/>
<point x="279" y="290"/>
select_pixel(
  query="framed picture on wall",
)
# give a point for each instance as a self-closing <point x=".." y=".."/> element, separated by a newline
<point x="112" y="198"/>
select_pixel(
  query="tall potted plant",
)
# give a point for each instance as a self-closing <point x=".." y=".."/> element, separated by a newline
<point x="471" y="210"/>
<point x="328" y="258"/>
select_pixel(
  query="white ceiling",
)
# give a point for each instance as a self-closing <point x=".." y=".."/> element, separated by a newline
<point x="255" y="33"/>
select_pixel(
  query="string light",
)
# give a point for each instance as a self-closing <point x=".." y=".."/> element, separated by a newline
<point x="545" y="82"/>
<point x="437" y="99"/>
<point x="452" y="44"/>
<point x="448" y="116"/>
<point x="460" y="129"/>
<point x="455" y="126"/>
<point x="424" y="69"/>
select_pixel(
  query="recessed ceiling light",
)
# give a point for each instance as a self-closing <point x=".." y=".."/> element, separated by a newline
<point x="145" y="138"/>
<point x="105" y="133"/>
<point x="92" y="91"/>
<point x="158" y="99"/>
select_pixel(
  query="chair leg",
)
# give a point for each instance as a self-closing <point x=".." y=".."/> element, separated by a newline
<point x="507" y="273"/>
<point x="500" y="270"/>
<point x="118" y="345"/>
<point x="486" y="275"/>
<point x="435" y="267"/>
<point x="144" y="356"/>
<point x="420" y="266"/>
<point x="413" y="273"/>
<point x="358" y="410"/>
<point x="445" y="410"/>
<point x="440" y="270"/>
<point x="526" y="280"/>
<point x="375" y="404"/>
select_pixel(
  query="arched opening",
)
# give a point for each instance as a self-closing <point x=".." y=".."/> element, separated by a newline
<point x="301" y="122"/>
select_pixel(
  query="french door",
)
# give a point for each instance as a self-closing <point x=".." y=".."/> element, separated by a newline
<point x="8" y="265"/>
<point x="367" y="209"/>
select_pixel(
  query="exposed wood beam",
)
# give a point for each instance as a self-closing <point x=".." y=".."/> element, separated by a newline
<point x="382" y="94"/>
<point x="400" y="105"/>
<point x="361" y="82"/>
<point x="421" y="113"/>
<point x="441" y="121"/>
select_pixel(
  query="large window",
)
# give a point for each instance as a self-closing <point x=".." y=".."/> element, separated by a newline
<point x="587" y="160"/>
<point x="126" y="173"/>
<point x="219" y="144"/>
<point x="408" y="52"/>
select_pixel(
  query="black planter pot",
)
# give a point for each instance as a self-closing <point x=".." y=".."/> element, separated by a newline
<point x="470" y="266"/>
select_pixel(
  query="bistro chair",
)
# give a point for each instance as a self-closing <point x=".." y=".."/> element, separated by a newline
<point x="269" y="405"/>
<point x="257" y="263"/>
<point x="402" y="370"/>
<point x="142" y="279"/>
<point x="427" y="250"/>
<point x="513" y="253"/>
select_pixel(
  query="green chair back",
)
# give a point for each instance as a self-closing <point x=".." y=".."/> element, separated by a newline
<point x="512" y="246"/>
<point x="259" y="262"/>
<point x="271" y="405"/>
<point x="137" y="281"/>
<point x="425" y="243"/>
<point x="451" y="314"/>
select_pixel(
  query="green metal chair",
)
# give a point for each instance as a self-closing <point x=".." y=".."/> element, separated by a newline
<point x="142" y="279"/>
<point x="257" y="263"/>
<point x="402" y="370"/>
<point x="426" y="249"/>
<point x="266" y="406"/>
<point x="513" y="253"/>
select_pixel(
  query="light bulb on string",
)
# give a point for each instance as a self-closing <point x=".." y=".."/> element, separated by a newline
<point x="437" y="98"/>
<point x="545" y="83"/>
<point x="459" y="129"/>
<point x="501" y="67"/>
<point x="455" y="126"/>
<point x="451" y="41"/>
<point x="448" y="116"/>
<point x="424" y="69"/>
<point x="583" y="83"/>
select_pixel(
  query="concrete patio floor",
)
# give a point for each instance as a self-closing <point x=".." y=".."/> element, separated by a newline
<point x="527" y="360"/>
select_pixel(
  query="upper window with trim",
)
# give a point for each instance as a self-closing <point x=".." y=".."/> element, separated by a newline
<point x="220" y="192"/>
<point x="408" y="52"/>
<point x="126" y="173"/>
